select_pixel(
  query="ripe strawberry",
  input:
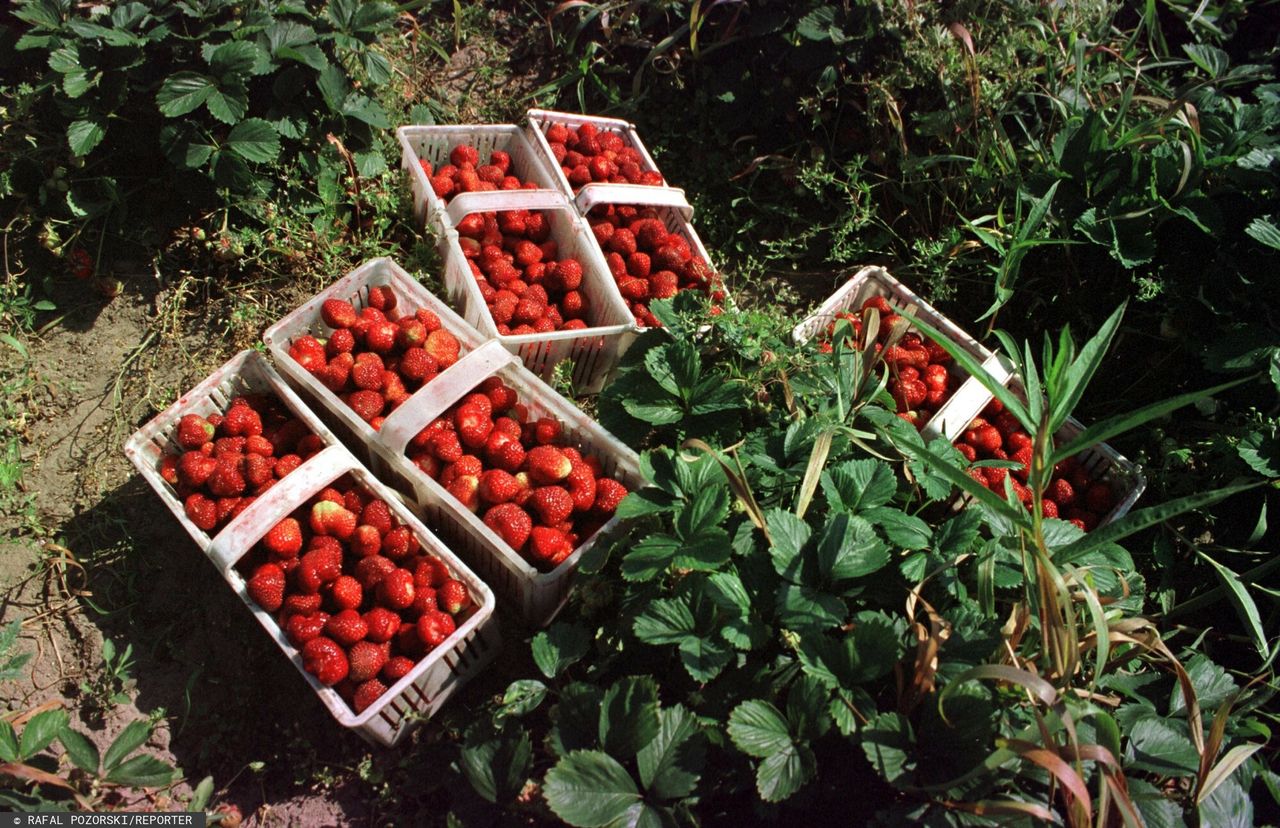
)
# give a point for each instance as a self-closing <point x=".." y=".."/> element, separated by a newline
<point x="473" y="425"/>
<point x="552" y="504"/>
<point x="466" y="489"/>
<point x="366" y="404"/>
<point x="417" y="365"/>
<point x="371" y="570"/>
<point x="303" y="627"/>
<point x="443" y="347"/>
<point x="581" y="484"/>
<point x="169" y="469"/>
<point x="338" y="313"/>
<point x="400" y="543"/>
<point x="324" y="659"/>
<point x="909" y="394"/>
<point x="967" y="451"/>
<point x="382" y="624"/>
<point x="286" y="464"/>
<point x="341" y="341"/>
<point x="396" y="589"/>
<point x="1022" y="456"/>
<point x="397" y="667"/>
<point x="548" y="547"/>
<point x="346" y="592"/>
<point x="504" y="451"/>
<point x="430" y="573"/>
<point x="241" y="421"/>
<point x="202" y="511"/>
<point x="266" y="587"/>
<point x="377" y="513"/>
<point x="367" y="371"/>
<point x="296" y="602"/>
<point x="366" y="694"/>
<point x="346" y="627"/>
<point x="1048" y="508"/>
<point x="193" y="431"/>
<point x="382" y="297"/>
<point x="329" y="518"/>
<point x="547" y="431"/>
<point x="546" y="465"/>
<point x="446" y="446"/>
<point x="510" y="523"/>
<point x="308" y="352"/>
<point x="453" y="596"/>
<point x="366" y="660"/>
<point x="1061" y="492"/>
<point x="285" y="538"/>
<point x="258" y="470"/>
<point x="434" y="627"/>
<point x="194" y="469"/>
<point x="497" y="486"/>
<point x="1099" y="497"/>
<point x="609" y="493"/>
<point x="1017" y="441"/>
<point x="985" y="438"/>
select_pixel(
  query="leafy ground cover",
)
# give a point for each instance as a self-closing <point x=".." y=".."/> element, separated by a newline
<point x="799" y="609"/>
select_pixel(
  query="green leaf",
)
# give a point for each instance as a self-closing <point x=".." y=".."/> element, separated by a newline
<point x="759" y="729"/>
<point x="1261" y="453"/>
<point x="559" y="646"/>
<point x="704" y="657"/>
<point x="8" y="743"/>
<point x="653" y="405"/>
<point x="497" y="767"/>
<point x="858" y="484"/>
<point x="629" y="716"/>
<point x="904" y="530"/>
<point x="670" y="764"/>
<point x="817" y="24"/>
<point x="254" y="139"/>
<point x="183" y="148"/>
<point x="1229" y="806"/>
<point x="665" y="621"/>
<point x="1244" y="605"/>
<point x="82" y="752"/>
<point x="1264" y="232"/>
<point x="201" y="795"/>
<point x="228" y="103"/>
<point x="888" y="742"/>
<point x="230" y="171"/>
<point x="363" y="108"/>
<point x="142" y="772"/>
<point x="957" y="535"/>
<point x="183" y="92"/>
<point x="864" y="653"/>
<point x="1080" y="373"/>
<point x="674" y="367"/>
<point x="66" y="59"/>
<point x="521" y="697"/>
<point x="372" y="17"/>
<point x="1211" y="59"/>
<point x="807" y="702"/>
<point x="1158" y="746"/>
<point x="577" y="719"/>
<point x="370" y="163"/>
<point x="789" y="534"/>
<point x="860" y="552"/>
<point x="85" y="134"/>
<point x="40" y="731"/>
<point x="649" y="557"/>
<point x="782" y="774"/>
<point x="130" y="739"/>
<point x="590" y="789"/>
<point x="1213" y="686"/>
<point x="235" y="60"/>
<point x="708" y="508"/>
<point x="704" y="552"/>
<point x="804" y="607"/>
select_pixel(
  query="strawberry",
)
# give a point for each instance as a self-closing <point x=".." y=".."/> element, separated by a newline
<point x="258" y="470"/>
<point x="338" y="313"/>
<point x="202" y="511"/>
<point x="1061" y="492"/>
<point x="341" y="341"/>
<point x="329" y="518"/>
<point x="497" y="486"/>
<point x="371" y="570"/>
<point x="301" y="628"/>
<point x="318" y="567"/>
<point x="168" y="469"/>
<point x="473" y="425"/>
<point x="424" y="600"/>
<point x="552" y="504"/>
<point x="286" y="464"/>
<point x="466" y="489"/>
<point x="1099" y="497"/>
<point x="366" y="404"/>
<point x="396" y="589"/>
<point x="367" y="372"/>
<point x="366" y="660"/>
<point x="434" y="627"/>
<point x="193" y="431"/>
<point x="431" y="573"/>
<point x="609" y="493"/>
<point x="546" y="464"/>
<point x="382" y="624"/>
<point x="397" y="667"/>
<point x="548" y="547"/>
<point x="967" y="451"/>
<point x="366" y="694"/>
<point x="399" y="544"/>
<point x="381" y="337"/>
<point x="581" y="484"/>
<point x="985" y="438"/>
<point x="417" y="365"/>
<point x="504" y="451"/>
<point x="1022" y="456"/>
<point x="382" y="297"/>
<point x="453" y="596"/>
<point x="324" y="659"/>
<point x="547" y="431"/>
<point x="346" y="627"/>
<point x="446" y="446"/>
<point x="443" y="347"/>
<point x="194" y="469"/>
<point x="285" y="538"/>
<point x="1048" y="508"/>
<point x="266" y="587"/>
<point x="241" y="421"/>
<point x="346" y="592"/>
<point x="308" y="352"/>
<point x="510" y="523"/>
<point x="298" y="603"/>
<point x="377" y="513"/>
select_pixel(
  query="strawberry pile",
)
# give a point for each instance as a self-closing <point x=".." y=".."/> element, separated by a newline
<point x="537" y="494"/>
<point x="587" y="155"/>
<point x="647" y="261"/>
<point x="527" y="285"/>
<point x="918" y="377"/>
<point x="352" y="589"/>
<point x="1073" y="494"/>
<point x="465" y="174"/>
<point x="227" y="460"/>
<point x="375" y="359"/>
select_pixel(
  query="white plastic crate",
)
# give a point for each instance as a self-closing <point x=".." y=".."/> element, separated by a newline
<point x="434" y="143"/>
<point x="593" y="351"/>
<point x="670" y="204"/>
<point x="971" y="397"/>
<point x="541" y="119"/>
<point x="248" y="372"/>
<point x="537" y="596"/>
<point x="434" y="678"/>
<point x="1100" y="462"/>
<point x="357" y="434"/>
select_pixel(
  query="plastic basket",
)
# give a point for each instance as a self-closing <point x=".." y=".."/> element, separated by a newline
<point x="593" y="352"/>
<point x="433" y="679"/>
<point x="357" y="434"/>
<point x="541" y="119"/>
<point x="671" y="207"/>
<point x="971" y="397"/>
<point x="248" y="372"/>
<point x="434" y="143"/>
<point x="536" y="596"/>
<point x="1100" y="462"/>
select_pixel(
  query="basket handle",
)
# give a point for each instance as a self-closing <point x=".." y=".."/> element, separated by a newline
<point x="638" y="194"/>
<point x="431" y="400"/>
<point x="499" y="200"/>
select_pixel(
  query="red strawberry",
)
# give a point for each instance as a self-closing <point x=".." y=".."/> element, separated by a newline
<point x="366" y="404"/>
<point x="443" y="347"/>
<point x="396" y="589"/>
<point x="581" y="484"/>
<point x="367" y="660"/>
<point x="1099" y="497"/>
<point x="466" y="489"/>
<point x="417" y="365"/>
<point x="286" y="464"/>
<point x="446" y="446"/>
<point x="434" y="627"/>
<point x="424" y="600"/>
<point x="546" y="464"/>
<point x="504" y="451"/>
<point x="301" y="628"/>
<point x="497" y="486"/>
<point x="1017" y="441"/>
<point x="202" y="511"/>
<point x="324" y="659"/>
<point x="308" y="352"/>
<point x="985" y="438"/>
<point x="509" y="522"/>
<point x="319" y="566"/>
<point x="329" y="518"/>
<point x="501" y="396"/>
<point x="1048" y="508"/>
<point x="193" y="431"/>
<point x="194" y="469"/>
<point x="552" y="504"/>
<point x="371" y="570"/>
<point x="547" y="431"/>
<point x="549" y="547"/>
<point x="266" y="587"/>
<point x="169" y="469"/>
<point x="397" y="667"/>
<point x="241" y="421"/>
<point x="382" y="624"/>
<point x="377" y="514"/>
<point x="453" y="596"/>
<point x="368" y="371"/>
<point x="346" y="627"/>
<point x="431" y="573"/>
<point x="285" y="538"/>
<point x="346" y="592"/>
<point x="1060" y="492"/>
<point x="609" y="493"/>
<point x="366" y="541"/>
<point x="298" y="603"/>
<point x="338" y="313"/>
<point x="473" y="425"/>
<point x="366" y="694"/>
<point x="341" y="341"/>
<point x="399" y="544"/>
